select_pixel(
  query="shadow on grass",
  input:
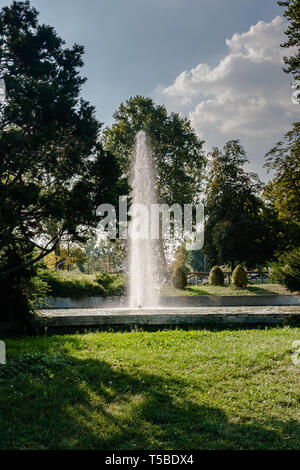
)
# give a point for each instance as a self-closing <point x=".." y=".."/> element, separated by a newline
<point x="62" y="402"/>
<point x="197" y="290"/>
<point x="261" y="290"/>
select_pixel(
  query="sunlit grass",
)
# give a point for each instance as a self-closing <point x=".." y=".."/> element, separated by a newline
<point x="171" y="389"/>
<point x="252" y="289"/>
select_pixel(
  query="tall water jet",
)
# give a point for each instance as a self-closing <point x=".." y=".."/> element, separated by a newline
<point x="143" y="253"/>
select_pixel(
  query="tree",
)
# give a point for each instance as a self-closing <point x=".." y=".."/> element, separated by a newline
<point x="53" y="170"/>
<point x="284" y="158"/>
<point x="104" y="255"/>
<point x="198" y="260"/>
<point x="292" y="13"/>
<point x="284" y="161"/>
<point x="178" y="153"/>
<point x="70" y="256"/>
<point x="281" y="233"/>
<point x="178" y="156"/>
<point x="283" y="192"/>
<point x="235" y="229"/>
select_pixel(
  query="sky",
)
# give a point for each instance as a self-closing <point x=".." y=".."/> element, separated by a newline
<point x="218" y="62"/>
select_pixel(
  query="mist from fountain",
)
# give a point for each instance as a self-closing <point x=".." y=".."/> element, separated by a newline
<point x="143" y="255"/>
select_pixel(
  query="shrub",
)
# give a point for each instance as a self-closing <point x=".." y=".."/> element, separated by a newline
<point x="179" y="280"/>
<point x="287" y="271"/>
<point x="216" y="276"/>
<point x="104" y="280"/>
<point x="77" y="285"/>
<point x="112" y="284"/>
<point x="239" y="277"/>
<point x="68" y="284"/>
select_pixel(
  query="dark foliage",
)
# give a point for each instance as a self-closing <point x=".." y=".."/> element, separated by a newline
<point x="236" y="228"/>
<point x="54" y="173"/>
<point x="287" y="271"/>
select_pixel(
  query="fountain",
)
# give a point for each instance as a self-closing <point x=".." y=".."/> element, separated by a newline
<point x="143" y="251"/>
<point x="144" y="307"/>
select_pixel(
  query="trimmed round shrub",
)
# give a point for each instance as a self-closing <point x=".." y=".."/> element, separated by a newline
<point x="239" y="277"/>
<point x="288" y="274"/>
<point x="179" y="280"/>
<point x="216" y="276"/>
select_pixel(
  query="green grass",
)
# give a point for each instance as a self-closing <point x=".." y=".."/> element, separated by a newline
<point x="252" y="289"/>
<point x="78" y="285"/>
<point x="172" y="389"/>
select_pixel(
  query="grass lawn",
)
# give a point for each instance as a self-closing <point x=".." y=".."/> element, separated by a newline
<point x="79" y="285"/>
<point x="252" y="289"/>
<point x="171" y="389"/>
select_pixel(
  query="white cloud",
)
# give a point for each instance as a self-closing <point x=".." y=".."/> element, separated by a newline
<point x="246" y="96"/>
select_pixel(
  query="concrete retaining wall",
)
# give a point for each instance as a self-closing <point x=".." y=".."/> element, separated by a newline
<point x="85" y="302"/>
<point x="231" y="301"/>
<point x="173" y="319"/>
<point x="181" y="301"/>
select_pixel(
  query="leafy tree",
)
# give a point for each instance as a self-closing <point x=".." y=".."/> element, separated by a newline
<point x="178" y="153"/>
<point x="198" y="261"/>
<point x="105" y="255"/>
<point x="235" y="228"/>
<point x="284" y="190"/>
<point x="70" y="256"/>
<point x="282" y="234"/>
<point x="292" y="13"/>
<point x="178" y="156"/>
<point x="53" y="170"/>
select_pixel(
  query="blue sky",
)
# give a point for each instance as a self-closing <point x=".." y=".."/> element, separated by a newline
<point x="143" y="46"/>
